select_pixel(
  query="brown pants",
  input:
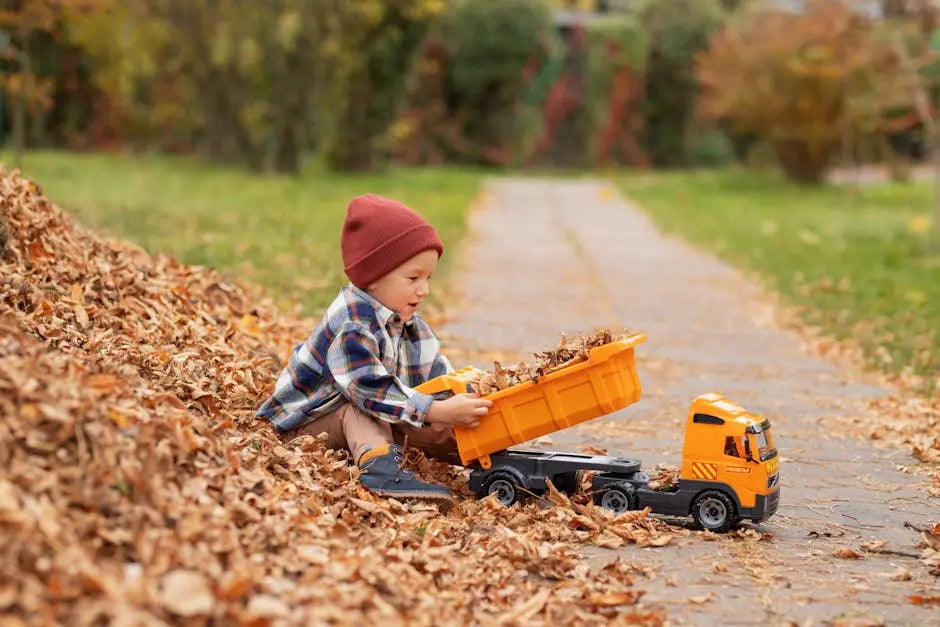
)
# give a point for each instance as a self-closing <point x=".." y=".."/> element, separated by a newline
<point x="356" y="431"/>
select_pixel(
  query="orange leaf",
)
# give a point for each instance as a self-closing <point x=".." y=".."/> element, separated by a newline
<point x="102" y="382"/>
<point x="118" y="418"/>
<point x="931" y="537"/>
<point x="607" y="599"/>
<point x="846" y="553"/>
<point x="37" y="251"/>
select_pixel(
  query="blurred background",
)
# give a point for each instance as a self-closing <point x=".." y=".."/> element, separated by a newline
<point x="574" y="83"/>
<point x="792" y="137"/>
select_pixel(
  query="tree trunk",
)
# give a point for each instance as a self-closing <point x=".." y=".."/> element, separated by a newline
<point x="935" y="159"/>
<point x="803" y="161"/>
<point x="19" y="127"/>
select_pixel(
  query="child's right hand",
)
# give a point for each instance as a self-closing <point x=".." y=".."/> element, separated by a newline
<point x="460" y="410"/>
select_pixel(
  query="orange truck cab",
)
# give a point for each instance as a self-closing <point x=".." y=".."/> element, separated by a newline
<point x="730" y="470"/>
<point x="729" y="463"/>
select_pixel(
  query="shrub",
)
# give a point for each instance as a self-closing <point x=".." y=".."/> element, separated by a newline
<point x="491" y="52"/>
<point x="366" y="72"/>
<point x="257" y="82"/>
<point x="617" y="55"/>
<point x="710" y="149"/>
<point x="590" y="96"/>
<point x="801" y="81"/>
<point x="677" y="31"/>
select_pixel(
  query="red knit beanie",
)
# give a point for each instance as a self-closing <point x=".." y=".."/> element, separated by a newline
<point x="379" y="235"/>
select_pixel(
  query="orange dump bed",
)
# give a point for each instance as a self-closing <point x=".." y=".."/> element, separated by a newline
<point x="604" y="383"/>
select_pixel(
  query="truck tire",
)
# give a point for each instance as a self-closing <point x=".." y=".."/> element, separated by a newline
<point x="715" y="511"/>
<point x="506" y="487"/>
<point x="617" y="497"/>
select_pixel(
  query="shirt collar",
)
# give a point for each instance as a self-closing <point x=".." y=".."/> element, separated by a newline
<point x="385" y="315"/>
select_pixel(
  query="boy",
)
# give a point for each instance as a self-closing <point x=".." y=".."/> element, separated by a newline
<point x="353" y="377"/>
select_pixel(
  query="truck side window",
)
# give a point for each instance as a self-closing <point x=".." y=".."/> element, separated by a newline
<point x="731" y="448"/>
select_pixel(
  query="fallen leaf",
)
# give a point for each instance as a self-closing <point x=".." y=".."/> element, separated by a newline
<point x="527" y="609"/>
<point x="267" y="606"/>
<point x="186" y="593"/>
<point x="847" y="553"/>
<point x="608" y="599"/>
<point x="102" y="382"/>
<point x="931" y="537"/>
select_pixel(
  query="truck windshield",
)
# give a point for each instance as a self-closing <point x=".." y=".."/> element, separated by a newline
<point x="764" y="449"/>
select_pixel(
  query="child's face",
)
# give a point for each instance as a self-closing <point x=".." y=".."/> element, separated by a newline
<point x="403" y="289"/>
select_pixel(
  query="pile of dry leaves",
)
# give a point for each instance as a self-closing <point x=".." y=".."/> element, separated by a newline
<point x="138" y="487"/>
<point x="566" y="353"/>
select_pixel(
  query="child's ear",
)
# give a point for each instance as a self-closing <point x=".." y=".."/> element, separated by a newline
<point x="370" y="288"/>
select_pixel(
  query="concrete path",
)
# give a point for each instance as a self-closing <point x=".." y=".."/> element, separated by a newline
<point x="548" y="256"/>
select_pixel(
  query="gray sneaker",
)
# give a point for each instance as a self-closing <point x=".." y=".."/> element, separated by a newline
<point x="385" y="475"/>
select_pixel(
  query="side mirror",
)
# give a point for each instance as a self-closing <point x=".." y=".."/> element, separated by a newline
<point x="747" y="450"/>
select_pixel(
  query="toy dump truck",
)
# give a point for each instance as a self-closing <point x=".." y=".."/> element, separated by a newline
<point x="729" y="466"/>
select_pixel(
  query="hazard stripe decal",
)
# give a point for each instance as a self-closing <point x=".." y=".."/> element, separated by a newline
<point x="701" y="470"/>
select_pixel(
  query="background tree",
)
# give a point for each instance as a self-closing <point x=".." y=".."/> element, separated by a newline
<point x="24" y="27"/>
<point x="258" y="82"/>
<point x="677" y="30"/>
<point x="799" y="81"/>
<point x="493" y="50"/>
<point x="371" y="48"/>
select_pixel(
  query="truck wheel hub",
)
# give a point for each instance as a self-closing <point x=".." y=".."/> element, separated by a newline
<point x="713" y="512"/>
<point x="614" y="501"/>
<point x="505" y="492"/>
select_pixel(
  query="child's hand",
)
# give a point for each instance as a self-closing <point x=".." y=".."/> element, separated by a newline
<point x="460" y="410"/>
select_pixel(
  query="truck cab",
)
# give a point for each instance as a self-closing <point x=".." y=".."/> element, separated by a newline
<point x="730" y="470"/>
<point x="726" y="444"/>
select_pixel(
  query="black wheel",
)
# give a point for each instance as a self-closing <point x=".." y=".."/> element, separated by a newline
<point x="617" y="497"/>
<point x="715" y="511"/>
<point x="505" y="486"/>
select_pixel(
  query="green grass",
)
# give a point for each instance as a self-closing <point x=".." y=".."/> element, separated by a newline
<point x="860" y="262"/>
<point x="279" y="232"/>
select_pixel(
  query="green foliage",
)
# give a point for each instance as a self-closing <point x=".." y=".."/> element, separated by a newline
<point x="207" y="74"/>
<point x="28" y="57"/>
<point x="802" y="81"/>
<point x="278" y="232"/>
<point x="490" y="42"/>
<point x="617" y="55"/>
<point x="858" y="262"/>
<point x="492" y="50"/>
<point x="589" y="92"/>
<point x="711" y="148"/>
<point x="369" y="64"/>
<point x="256" y="82"/>
<point x="678" y="30"/>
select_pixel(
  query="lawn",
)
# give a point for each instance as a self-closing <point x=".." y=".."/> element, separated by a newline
<point x="278" y="232"/>
<point x="858" y="261"/>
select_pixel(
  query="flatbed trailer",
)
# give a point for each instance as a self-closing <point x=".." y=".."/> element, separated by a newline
<point x="618" y="484"/>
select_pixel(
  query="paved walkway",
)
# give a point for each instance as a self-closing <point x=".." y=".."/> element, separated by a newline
<point x="550" y="256"/>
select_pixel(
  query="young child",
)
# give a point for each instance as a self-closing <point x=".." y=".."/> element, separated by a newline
<point x="353" y="378"/>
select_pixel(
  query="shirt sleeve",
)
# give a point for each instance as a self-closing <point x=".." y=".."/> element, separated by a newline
<point x="355" y="365"/>
<point x="441" y="365"/>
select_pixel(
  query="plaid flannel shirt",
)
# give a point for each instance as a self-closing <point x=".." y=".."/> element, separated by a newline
<point x="362" y="353"/>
